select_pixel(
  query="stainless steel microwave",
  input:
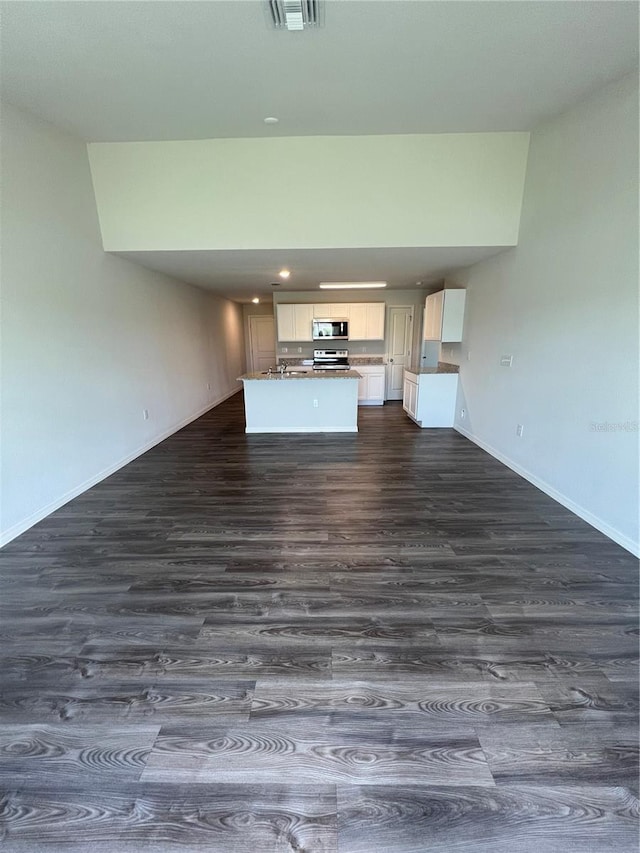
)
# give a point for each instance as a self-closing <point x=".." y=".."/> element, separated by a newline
<point x="330" y="330"/>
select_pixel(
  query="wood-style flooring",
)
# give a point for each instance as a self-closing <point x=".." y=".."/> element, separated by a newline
<point x="376" y="643"/>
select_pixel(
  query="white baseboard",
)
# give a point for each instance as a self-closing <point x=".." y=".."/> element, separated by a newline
<point x="306" y="430"/>
<point x="17" y="529"/>
<point x="614" y="534"/>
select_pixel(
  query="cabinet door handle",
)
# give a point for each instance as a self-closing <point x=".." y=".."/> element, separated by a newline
<point x="390" y="361"/>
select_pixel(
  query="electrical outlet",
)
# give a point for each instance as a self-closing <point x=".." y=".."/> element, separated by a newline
<point x="469" y="355"/>
<point x="299" y="349"/>
<point x="463" y="414"/>
<point x="506" y="360"/>
<point x="315" y="404"/>
<point x="284" y="349"/>
<point x="364" y="349"/>
<point x="145" y="414"/>
<point x="519" y="430"/>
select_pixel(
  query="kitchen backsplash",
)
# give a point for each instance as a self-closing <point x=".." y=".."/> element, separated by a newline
<point x="451" y="353"/>
<point x="356" y="349"/>
<point x="353" y="359"/>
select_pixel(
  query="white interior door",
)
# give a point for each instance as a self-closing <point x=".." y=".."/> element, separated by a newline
<point x="262" y="342"/>
<point x="399" y="338"/>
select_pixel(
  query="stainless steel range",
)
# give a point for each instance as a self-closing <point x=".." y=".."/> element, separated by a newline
<point x="331" y="359"/>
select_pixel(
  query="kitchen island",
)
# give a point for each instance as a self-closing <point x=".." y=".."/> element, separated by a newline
<point x="315" y="401"/>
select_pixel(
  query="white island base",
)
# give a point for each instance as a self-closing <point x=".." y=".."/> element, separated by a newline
<point x="315" y="402"/>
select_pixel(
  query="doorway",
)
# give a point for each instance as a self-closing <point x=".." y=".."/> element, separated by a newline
<point x="400" y="338"/>
<point x="262" y="342"/>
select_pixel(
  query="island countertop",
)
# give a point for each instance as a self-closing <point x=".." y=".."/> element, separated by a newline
<point x="290" y="377"/>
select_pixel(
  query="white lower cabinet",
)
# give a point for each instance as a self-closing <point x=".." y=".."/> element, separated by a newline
<point x="430" y="398"/>
<point x="371" y="384"/>
<point x="410" y="394"/>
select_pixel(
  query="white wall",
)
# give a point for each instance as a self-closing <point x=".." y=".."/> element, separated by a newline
<point x="456" y="189"/>
<point x="88" y="340"/>
<point x="564" y="303"/>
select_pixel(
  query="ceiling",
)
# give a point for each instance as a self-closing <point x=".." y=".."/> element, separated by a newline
<point x="125" y="71"/>
<point x="243" y="274"/>
<point x="147" y="70"/>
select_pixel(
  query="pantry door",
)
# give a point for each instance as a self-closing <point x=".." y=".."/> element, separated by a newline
<point x="262" y="340"/>
<point x="399" y="337"/>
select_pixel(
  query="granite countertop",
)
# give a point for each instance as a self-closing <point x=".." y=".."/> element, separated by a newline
<point x="443" y="367"/>
<point x="355" y="360"/>
<point x="312" y="374"/>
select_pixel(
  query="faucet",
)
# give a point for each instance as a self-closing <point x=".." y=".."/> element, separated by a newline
<point x="282" y="368"/>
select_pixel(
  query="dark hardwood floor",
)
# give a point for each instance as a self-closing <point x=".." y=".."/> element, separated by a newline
<point x="376" y="642"/>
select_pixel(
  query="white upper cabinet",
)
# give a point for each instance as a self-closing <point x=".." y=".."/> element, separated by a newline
<point x="358" y="322"/>
<point x="331" y="310"/>
<point x="375" y="321"/>
<point x="303" y="322"/>
<point x="366" y="321"/>
<point x="444" y="316"/>
<point x="294" y="322"/>
<point x="433" y="316"/>
<point x="285" y="322"/>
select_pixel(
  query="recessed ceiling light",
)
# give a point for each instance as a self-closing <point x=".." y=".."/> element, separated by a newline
<point x="271" y="120"/>
<point x="284" y="273"/>
<point x="350" y="285"/>
<point x="255" y="300"/>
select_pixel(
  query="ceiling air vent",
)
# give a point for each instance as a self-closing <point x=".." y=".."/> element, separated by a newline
<point x="295" y="14"/>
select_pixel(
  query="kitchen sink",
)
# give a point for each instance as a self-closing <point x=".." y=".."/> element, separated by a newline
<point x="277" y="373"/>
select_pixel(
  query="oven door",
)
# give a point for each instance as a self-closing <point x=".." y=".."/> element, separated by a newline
<point x="329" y="364"/>
<point x="327" y="361"/>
